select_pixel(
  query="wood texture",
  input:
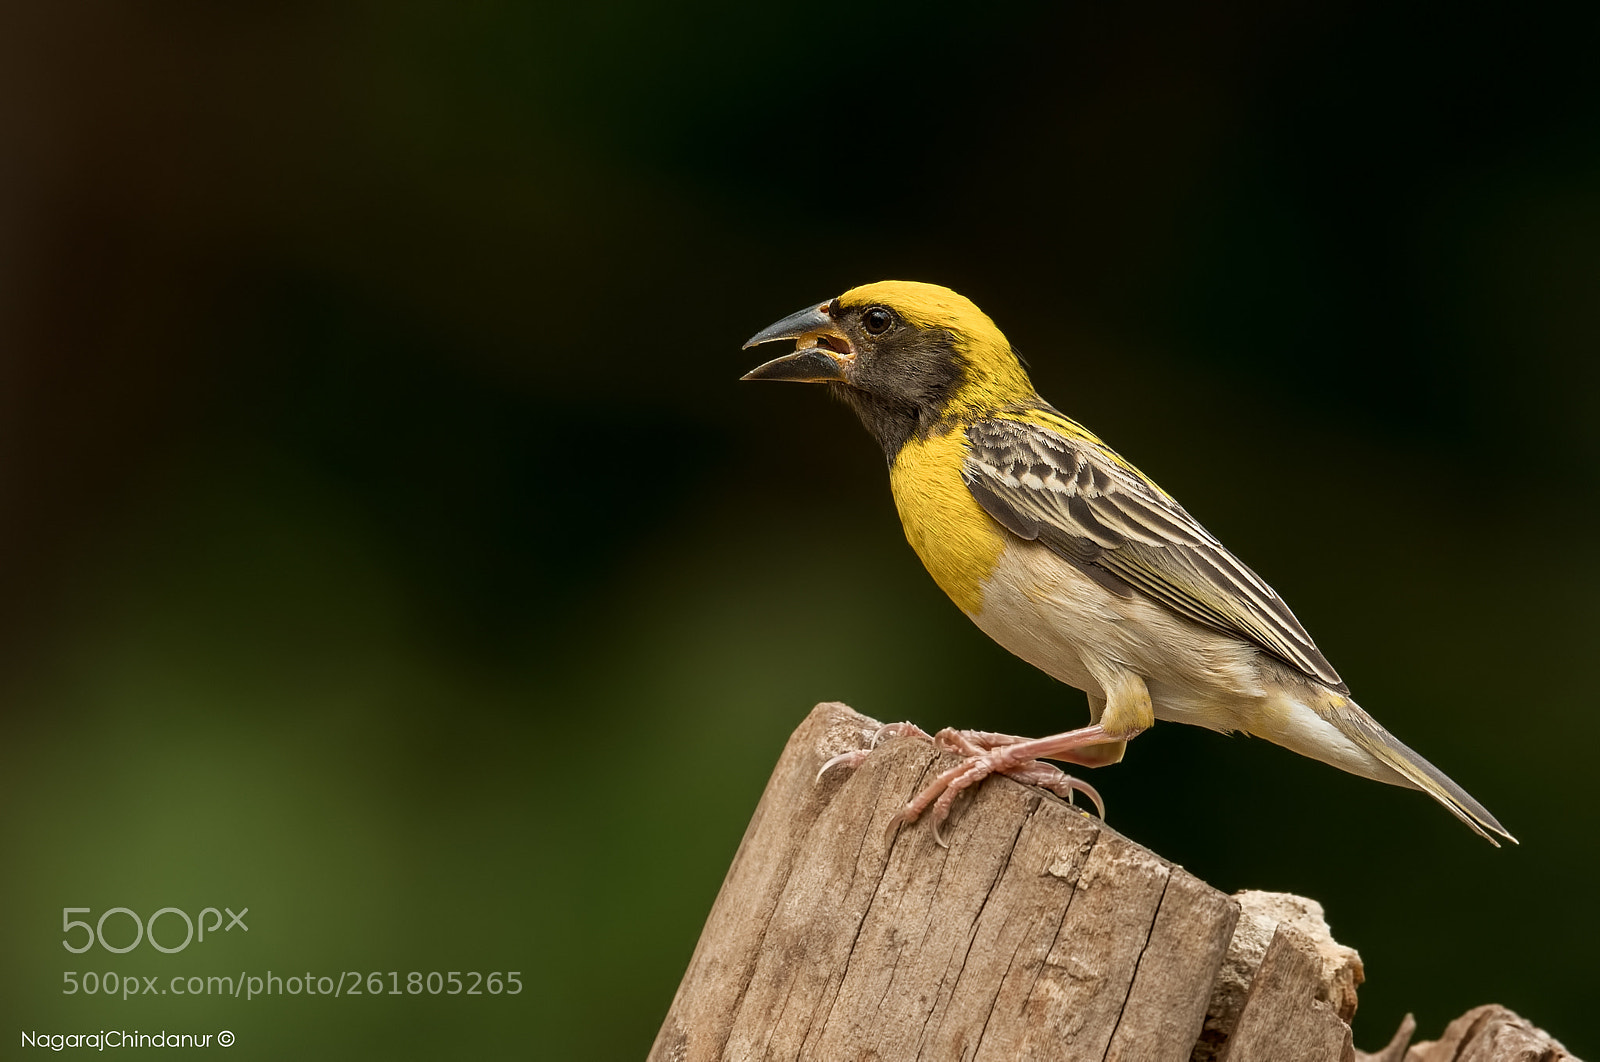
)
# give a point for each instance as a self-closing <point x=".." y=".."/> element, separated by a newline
<point x="1283" y="1020"/>
<point x="1159" y="1018"/>
<point x="1260" y="915"/>
<point x="1037" y="934"/>
<point x="1490" y="1034"/>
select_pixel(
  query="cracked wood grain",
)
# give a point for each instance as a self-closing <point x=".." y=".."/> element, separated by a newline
<point x="1038" y="933"/>
<point x="1283" y="1020"/>
<point x="1070" y="1007"/>
<point x="1490" y="1034"/>
<point x="1162" y="1017"/>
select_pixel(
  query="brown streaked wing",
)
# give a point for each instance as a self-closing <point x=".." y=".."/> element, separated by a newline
<point x="1089" y="507"/>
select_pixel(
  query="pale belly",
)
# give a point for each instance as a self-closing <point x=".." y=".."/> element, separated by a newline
<point x="1045" y="611"/>
<point x="1048" y="613"/>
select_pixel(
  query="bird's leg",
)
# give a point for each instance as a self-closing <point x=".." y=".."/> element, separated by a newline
<point x="1122" y="712"/>
<point x="1111" y="751"/>
<point x="1107" y="752"/>
<point x="1020" y="757"/>
<point x="1059" y="782"/>
<point x="1033" y="772"/>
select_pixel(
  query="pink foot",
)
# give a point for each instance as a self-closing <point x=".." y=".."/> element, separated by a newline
<point x="987" y="753"/>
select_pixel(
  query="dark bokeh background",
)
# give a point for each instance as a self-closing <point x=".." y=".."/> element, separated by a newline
<point x="389" y="547"/>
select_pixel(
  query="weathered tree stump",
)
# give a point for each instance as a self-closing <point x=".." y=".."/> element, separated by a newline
<point x="1038" y="934"/>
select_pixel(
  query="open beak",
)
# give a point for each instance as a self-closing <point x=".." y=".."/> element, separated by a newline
<point x="822" y="353"/>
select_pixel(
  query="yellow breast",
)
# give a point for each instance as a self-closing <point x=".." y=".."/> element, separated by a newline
<point x="958" y="542"/>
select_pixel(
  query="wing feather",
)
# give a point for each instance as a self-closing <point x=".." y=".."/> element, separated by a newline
<point x="1074" y="496"/>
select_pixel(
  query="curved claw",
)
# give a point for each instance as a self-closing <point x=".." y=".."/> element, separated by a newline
<point x="856" y="757"/>
<point x="900" y="818"/>
<point x="1093" y="794"/>
<point x="853" y="758"/>
<point x="1075" y="785"/>
<point x="1048" y="776"/>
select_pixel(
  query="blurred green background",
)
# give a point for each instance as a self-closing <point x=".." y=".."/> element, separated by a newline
<point x="390" y="548"/>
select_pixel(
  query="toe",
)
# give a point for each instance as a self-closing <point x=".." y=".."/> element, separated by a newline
<point x="852" y="759"/>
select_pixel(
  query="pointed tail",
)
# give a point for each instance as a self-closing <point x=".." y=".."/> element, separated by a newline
<point x="1415" y="771"/>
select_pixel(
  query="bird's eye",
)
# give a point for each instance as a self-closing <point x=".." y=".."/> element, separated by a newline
<point x="877" y="320"/>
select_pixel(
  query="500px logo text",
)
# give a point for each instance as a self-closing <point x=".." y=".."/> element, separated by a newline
<point x="145" y="929"/>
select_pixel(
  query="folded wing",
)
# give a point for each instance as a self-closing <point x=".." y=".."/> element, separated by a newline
<point x="1081" y="501"/>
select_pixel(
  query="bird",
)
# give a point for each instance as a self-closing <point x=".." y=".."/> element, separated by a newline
<point x="1069" y="557"/>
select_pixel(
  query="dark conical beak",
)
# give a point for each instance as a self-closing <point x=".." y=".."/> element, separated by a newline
<point x="823" y="355"/>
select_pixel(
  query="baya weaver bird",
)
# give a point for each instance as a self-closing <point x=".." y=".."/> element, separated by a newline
<point x="1072" y="559"/>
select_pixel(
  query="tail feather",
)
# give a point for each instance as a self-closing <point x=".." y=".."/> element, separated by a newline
<point x="1366" y="732"/>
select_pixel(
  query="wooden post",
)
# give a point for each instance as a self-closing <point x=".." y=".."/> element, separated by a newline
<point x="1038" y="934"/>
